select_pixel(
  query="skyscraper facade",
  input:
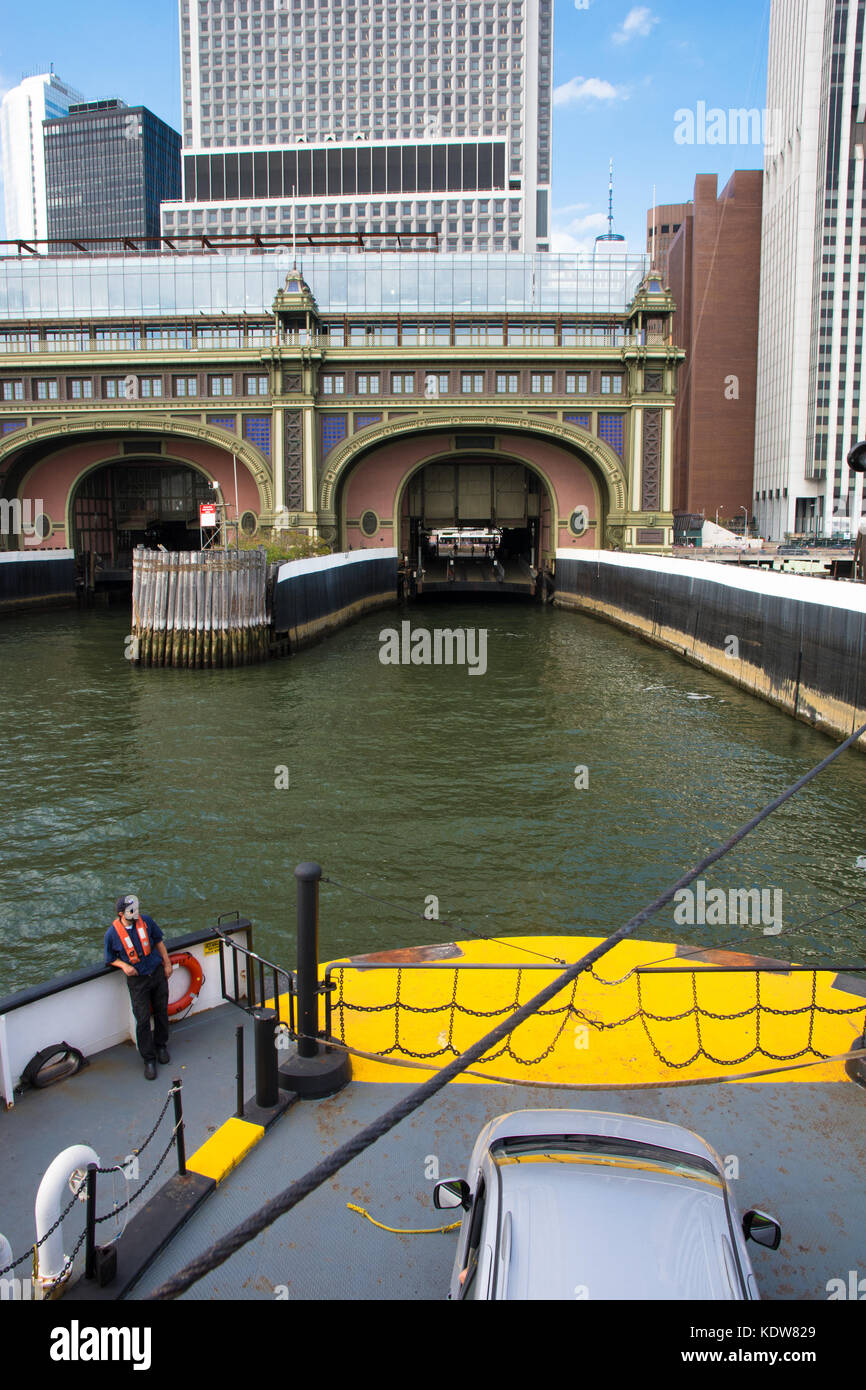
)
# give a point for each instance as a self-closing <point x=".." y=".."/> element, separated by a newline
<point x="810" y="407"/>
<point x="108" y="166"/>
<point x="390" y="115"/>
<point x="22" y="156"/>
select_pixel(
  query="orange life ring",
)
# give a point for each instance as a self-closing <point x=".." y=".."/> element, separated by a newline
<point x="196" y="980"/>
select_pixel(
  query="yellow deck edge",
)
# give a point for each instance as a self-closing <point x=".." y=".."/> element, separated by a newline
<point x="224" y="1150"/>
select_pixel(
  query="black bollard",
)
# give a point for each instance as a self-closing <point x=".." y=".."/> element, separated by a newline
<point x="316" y="1070"/>
<point x="267" y="1076"/>
<point x="90" y="1224"/>
<point x="308" y="876"/>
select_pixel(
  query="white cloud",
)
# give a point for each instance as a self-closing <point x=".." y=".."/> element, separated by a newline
<point x="638" y="23"/>
<point x="584" y="89"/>
<point x="571" y="234"/>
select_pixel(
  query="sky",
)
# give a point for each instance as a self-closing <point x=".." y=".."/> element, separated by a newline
<point x="623" y="76"/>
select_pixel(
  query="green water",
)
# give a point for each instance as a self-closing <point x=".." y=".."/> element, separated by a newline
<point x="404" y="782"/>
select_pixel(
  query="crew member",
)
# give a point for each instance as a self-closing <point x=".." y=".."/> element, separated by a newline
<point x="134" y="943"/>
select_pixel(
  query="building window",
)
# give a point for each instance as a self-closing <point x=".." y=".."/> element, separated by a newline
<point x="46" y="390"/>
<point x="542" y="383"/>
<point x="113" y="388"/>
<point x="437" y="384"/>
<point x="403" y="384"/>
<point x="333" y="385"/>
<point x="13" y="390"/>
<point x="150" y="386"/>
<point x="367" y="385"/>
<point x="577" y="384"/>
<point x="186" y="386"/>
<point x="222" y="386"/>
<point x="611" y="385"/>
<point x="507" y="383"/>
<point x="472" y="383"/>
<point x="256" y="385"/>
<point x="80" y="388"/>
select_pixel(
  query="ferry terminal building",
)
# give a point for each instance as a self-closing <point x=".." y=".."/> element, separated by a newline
<point x="363" y="398"/>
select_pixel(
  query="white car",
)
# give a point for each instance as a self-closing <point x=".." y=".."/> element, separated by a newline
<point x="583" y="1204"/>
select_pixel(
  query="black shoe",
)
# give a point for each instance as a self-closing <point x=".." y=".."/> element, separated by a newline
<point x="162" y="1056"/>
<point x="150" y="1071"/>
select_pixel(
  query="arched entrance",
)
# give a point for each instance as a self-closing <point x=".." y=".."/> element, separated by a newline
<point x="148" y="501"/>
<point x="468" y="493"/>
<point x="104" y="486"/>
<point x="536" y="476"/>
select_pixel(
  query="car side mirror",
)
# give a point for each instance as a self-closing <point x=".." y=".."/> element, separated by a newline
<point x="762" y="1229"/>
<point x="452" y="1193"/>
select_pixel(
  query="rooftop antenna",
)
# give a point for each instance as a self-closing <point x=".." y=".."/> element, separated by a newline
<point x="610" y="234"/>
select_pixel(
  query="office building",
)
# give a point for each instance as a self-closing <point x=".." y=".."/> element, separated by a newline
<point x="22" y="159"/>
<point x="391" y="115"/>
<point x="108" y="166"/>
<point x="813" y="272"/>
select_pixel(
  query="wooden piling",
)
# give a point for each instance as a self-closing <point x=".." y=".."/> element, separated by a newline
<point x="200" y="610"/>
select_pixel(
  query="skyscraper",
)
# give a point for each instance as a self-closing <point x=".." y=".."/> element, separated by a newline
<point x="108" y="167"/>
<point x="810" y="407"/>
<point x="393" y="115"/>
<point x="23" y="110"/>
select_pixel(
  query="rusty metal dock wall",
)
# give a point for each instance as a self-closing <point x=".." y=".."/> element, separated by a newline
<point x="795" y="641"/>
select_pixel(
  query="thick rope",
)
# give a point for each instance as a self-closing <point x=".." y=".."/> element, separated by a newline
<point x="229" y="1244"/>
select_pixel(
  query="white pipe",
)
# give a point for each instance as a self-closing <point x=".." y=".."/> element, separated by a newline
<point x="52" y="1197"/>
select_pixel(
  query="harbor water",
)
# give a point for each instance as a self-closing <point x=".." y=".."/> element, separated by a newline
<point x="557" y="792"/>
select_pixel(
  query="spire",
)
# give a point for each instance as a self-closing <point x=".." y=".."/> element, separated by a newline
<point x="610" y="234"/>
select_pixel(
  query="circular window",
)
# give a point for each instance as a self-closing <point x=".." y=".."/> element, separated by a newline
<point x="369" y="523"/>
<point x="42" y="526"/>
<point x="249" y="523"/>
<point x="578" y="522"/>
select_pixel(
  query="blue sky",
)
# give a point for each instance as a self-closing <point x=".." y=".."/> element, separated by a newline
<point x="621" y="72"/>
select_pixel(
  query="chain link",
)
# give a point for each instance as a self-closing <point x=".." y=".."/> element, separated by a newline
<point x="342" y="1006"/>
<point x="116" y="1167"/>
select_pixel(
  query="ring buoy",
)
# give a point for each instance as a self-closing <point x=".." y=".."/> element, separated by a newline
<point x="196" y="980"/>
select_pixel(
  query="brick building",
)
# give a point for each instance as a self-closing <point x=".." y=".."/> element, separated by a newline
<point x="714" y="276"/>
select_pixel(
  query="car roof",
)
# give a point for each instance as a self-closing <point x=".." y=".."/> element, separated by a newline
<point x="633" y="1128"/>
<point x="582" y="1230"/>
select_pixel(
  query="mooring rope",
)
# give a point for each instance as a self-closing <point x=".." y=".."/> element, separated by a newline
<point x="247" y="1230"/>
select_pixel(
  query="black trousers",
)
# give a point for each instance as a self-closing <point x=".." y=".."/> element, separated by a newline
<point x="149" y="992"/>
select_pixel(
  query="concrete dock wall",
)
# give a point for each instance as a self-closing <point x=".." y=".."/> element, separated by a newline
<point x="314" y="597"/>
<point x="795" y="641"/>
<point x="36" y="578"/>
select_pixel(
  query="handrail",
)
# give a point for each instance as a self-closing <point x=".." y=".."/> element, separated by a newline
<point x="252" y="958"/>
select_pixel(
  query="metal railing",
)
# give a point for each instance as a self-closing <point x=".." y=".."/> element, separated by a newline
<point x="257" y="970"/>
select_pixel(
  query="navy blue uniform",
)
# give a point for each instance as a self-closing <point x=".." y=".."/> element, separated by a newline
<point x="148" y="988"/>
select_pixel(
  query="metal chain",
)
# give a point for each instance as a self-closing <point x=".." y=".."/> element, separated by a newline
<point x="642" y="1014"/>
<point x="106" y="1216"/>
<point x="141" y="1148"/>
<point x="28" y="1254"/>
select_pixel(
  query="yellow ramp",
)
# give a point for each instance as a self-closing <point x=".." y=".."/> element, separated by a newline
<point x="224" y="1150"/>
<point x="615" y="1027"/>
